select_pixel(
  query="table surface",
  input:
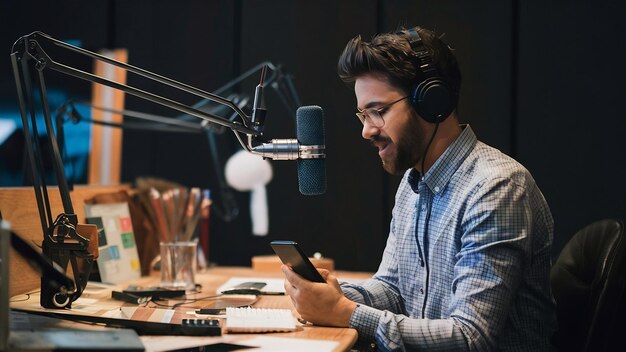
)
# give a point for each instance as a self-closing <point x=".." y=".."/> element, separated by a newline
<point x="210" y="279"/>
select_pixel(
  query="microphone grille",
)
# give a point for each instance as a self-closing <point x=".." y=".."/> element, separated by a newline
<point x="310" y="131"/>
<point x="310" y="125"/>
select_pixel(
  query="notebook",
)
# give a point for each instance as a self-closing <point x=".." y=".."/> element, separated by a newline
<point x="259" y="320"/>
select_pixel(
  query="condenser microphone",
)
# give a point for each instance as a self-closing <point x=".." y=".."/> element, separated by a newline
<point x="310" y="132"/>
<point x="308" y="149"/>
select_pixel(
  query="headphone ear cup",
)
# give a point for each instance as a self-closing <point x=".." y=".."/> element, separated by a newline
<point x="432" y="100"/>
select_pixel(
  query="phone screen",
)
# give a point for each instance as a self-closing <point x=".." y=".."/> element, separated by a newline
<point x="290" y="254"/>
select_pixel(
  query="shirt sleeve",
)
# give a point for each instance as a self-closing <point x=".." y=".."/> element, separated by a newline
<point x="495" y="249"/>
<point x="487" y="273"/>
<point x="380" y="314"/>
<point x="380" y="291"/>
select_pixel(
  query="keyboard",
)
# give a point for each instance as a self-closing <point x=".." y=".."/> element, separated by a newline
<point x="259" y="320"/>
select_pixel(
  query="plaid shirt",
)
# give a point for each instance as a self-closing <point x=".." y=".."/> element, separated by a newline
<point x="467" y="261"/>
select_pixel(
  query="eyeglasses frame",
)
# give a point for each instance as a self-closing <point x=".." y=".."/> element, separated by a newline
<point x="365" y="114"/>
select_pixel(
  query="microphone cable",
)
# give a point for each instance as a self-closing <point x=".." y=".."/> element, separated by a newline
<point x="424" y="260"/>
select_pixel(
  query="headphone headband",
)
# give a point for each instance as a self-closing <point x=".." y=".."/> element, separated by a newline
<point x="425" y="61"/>
<point x="430" y="96"/>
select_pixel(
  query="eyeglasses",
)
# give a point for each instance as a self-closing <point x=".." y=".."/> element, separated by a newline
<point x="375" y="115"/>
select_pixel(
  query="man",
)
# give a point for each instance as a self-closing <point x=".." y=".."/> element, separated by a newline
<point x="467" y="261"/>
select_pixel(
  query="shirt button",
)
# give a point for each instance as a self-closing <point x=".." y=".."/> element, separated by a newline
<point x="436" y="189"/>
<point x="423" y="207"/>
<point x="421" y="290"/>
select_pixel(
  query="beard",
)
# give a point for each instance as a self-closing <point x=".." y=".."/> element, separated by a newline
<point x="408" y="149"/>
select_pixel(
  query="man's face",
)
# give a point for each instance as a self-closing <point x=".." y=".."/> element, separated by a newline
<point x="400" y="141"/>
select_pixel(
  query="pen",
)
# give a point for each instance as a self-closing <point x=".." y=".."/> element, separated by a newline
<point x="192" y="213"/>
<point x="159" y="215"/>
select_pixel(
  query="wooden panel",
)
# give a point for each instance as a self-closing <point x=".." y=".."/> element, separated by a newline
<point x="19" y="207"/>
<point x="105" y="157"/>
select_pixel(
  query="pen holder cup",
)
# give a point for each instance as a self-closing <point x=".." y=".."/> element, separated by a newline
<point x="178" y="264"/>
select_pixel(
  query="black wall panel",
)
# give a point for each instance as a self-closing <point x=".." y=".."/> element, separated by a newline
<point x="196" y="43"/>
<point x="79" y="22"/>
<point x="481" y="35"/>
<point x="75" y="20"/>
<point x="571" y="118"/>
<point x="189" y="41"/>
<point x="307" y="38"/>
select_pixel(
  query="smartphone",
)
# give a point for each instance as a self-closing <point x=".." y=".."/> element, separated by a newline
<point x="290" y="254"/>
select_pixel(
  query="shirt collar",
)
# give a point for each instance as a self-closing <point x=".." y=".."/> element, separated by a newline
<point x="437" y="177"/>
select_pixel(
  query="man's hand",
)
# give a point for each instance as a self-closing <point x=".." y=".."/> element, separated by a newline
<point x="319" y="303"/>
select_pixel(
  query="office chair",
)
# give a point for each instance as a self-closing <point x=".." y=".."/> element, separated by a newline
<point x="588" y="285"/>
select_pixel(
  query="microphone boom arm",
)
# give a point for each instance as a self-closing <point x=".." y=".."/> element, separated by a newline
<point x="29" y="46"/>
<point x="61" y="243"/>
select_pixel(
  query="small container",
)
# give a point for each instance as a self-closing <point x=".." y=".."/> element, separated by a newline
<point x="178" y="264"/>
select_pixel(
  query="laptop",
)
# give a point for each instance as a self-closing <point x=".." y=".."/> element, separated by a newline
<point x="35" y="338"/>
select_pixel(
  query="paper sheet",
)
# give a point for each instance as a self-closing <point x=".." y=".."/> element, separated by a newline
<point x="286" y="344"/>
<point x="171" y="343"/>
<point x="260" y="343"/>
<point x="118" y="260"/>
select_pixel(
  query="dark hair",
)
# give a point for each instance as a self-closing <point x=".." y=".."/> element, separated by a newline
<point x="390" y="54"/>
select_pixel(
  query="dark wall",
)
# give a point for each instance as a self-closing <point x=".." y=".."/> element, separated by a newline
<point x="570" y="124"/>
<point x="19" y="18"/>
<point x="542" y="82"/>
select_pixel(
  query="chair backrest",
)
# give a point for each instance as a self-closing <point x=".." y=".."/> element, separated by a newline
<point x="588" y="284"/>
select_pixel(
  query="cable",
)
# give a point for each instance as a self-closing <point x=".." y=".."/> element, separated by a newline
<point x="432" y="137"/>
<point x="25" y="299"/>
<point x="184" y="301"/>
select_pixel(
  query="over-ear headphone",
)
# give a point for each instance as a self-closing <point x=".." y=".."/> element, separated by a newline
<point x="430" y="96"/>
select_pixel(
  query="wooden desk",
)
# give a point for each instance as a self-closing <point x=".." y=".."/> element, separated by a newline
<point x="19" y="206"/>
<point x="210" y="280"/>
<point x="346" y="337"/>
